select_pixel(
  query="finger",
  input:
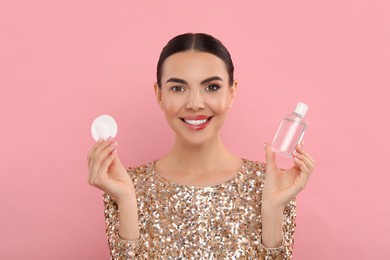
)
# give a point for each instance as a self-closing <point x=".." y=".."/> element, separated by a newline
<point x="91" y="155"/>
<point x="100" y="146"/>
<point x="116" y="160"/>
<point x="97" y="174"/>
<point x="101" y="156"/>
<point x="304" y="172"/>
<point x="93" y="148"/>
<point x="300" y="150"/>
<point x="103" y="169"/>
<point x="309" y="164"/>
<point x="270" y="158"/>
<point x="102" y="153"/>
<point x="99" y="179"/>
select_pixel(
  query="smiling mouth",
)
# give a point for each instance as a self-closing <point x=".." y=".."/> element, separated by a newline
<point x="196" y="122"/>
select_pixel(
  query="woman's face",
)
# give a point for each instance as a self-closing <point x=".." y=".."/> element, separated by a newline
<point x="195" y="95"/>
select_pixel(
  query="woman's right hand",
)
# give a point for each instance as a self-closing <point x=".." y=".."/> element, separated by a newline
<point x="107" y="173"/>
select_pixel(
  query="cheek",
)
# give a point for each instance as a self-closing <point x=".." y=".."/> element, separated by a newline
<point x="219" y="105"/>
<point x="171" y="105"/>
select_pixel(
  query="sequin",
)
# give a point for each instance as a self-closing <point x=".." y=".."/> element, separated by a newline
<point x="185" y="222"/>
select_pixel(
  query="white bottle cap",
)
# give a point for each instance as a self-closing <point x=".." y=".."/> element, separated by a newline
<point x="301" y="109"/>
<point x="104" y="126"/>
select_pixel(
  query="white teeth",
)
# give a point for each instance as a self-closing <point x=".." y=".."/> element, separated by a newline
<point x="195" y="122"/>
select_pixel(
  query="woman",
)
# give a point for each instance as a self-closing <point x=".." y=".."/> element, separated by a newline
<point x="199" y="201"/>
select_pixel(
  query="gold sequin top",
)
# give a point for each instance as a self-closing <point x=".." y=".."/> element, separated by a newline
<point x="185" y="222"/>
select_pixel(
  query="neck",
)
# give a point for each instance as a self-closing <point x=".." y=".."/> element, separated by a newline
<point x="199" y="159"/>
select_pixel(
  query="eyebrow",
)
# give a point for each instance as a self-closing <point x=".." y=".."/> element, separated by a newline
<point x="177" y="81"/>
<point x="211" y="79"/>
<point x="202" y="82"/>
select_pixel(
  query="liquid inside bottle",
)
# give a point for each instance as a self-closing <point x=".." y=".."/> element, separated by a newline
<point x="290" y="131"/>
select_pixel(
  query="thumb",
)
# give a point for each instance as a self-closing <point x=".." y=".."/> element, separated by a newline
<point x="270" y="157"/>
<point x="117" y="161"/>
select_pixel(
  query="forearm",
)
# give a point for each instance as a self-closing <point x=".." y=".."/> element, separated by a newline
<point x="128" y="219"/>
<point x="272" y="226"/>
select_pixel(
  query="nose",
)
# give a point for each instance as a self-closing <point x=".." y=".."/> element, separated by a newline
<point x="195" y="100"/>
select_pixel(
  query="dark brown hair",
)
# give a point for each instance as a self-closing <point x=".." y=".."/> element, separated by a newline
<point x="199" y="42"/>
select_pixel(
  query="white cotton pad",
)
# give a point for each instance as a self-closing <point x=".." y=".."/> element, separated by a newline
<point x="104" y="126"/>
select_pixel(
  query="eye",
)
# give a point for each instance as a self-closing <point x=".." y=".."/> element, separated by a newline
<point x="212" y="87"/>
<point x="177" y="88"/>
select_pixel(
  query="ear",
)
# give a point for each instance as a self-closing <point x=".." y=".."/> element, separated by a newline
<point x="157" y="92"/>
<point x="232" y="90"/>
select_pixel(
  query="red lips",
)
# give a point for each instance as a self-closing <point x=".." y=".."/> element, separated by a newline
<point x="197" y="117"/>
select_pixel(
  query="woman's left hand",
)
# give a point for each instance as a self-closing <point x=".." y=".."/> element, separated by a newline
<point x="281" y="186"/>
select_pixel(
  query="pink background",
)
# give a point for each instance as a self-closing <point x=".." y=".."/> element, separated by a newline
<point x="62" y="63"/>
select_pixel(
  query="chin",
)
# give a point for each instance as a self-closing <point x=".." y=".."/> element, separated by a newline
<point x="196" y="139"/>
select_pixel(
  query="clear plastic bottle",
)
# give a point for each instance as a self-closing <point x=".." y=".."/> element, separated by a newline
<point x="290" y="131"/>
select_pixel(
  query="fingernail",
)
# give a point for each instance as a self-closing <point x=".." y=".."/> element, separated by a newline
<point x="265" y="145"/>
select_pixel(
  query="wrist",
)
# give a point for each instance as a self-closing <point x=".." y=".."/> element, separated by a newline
<point x="272" y="207"/>
<point x="125" y="199"/>
<point x="272" y="213"/>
